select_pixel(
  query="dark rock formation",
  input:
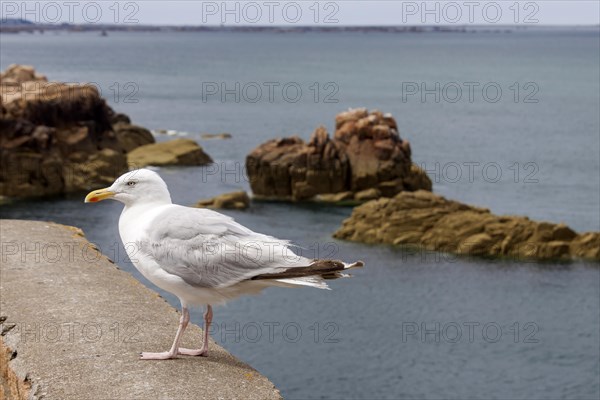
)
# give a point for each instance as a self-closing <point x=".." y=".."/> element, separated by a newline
<point x="132" y="136"/>
<point x="432" y="222"/>
<point x="57" y="137"/>
<point x="366" y="157"/>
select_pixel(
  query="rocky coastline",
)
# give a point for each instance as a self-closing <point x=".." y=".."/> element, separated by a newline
<point x="57" y="138"/>
<point x="425" y="220"/>
<point x="365" y="159"/>
<point x="368" y="165"/>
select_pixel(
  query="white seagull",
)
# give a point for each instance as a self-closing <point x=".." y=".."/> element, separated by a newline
<point x="201" y="256"/>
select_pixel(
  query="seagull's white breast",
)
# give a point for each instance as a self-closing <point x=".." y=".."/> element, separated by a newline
<point x="134" y="224"/>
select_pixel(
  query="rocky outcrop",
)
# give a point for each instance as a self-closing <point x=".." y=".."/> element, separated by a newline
<point x="432" y="222"/>
<point x="172" y="152"/>
<point x="216" y="136"/>
<point x="366" y="157"/>
<point x="130" y="136"/>
<point x="57" y="138"/>
<point x="235" y="200"/>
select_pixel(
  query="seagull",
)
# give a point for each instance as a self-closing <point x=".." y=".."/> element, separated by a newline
<point x="201" y="256"/>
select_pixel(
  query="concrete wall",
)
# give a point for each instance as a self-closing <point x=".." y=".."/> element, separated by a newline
<point x="73" y="324"/>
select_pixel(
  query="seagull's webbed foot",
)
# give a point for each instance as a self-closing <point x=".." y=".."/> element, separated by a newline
<point x="203" y="352"/>
<point x="165" y="355"/>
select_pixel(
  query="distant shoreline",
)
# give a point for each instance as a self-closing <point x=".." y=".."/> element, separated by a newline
<point x="18" y="26"/>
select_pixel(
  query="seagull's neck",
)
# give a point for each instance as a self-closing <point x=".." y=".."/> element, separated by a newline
<point x="136" y="213"/>
<point x="140" y="207"/>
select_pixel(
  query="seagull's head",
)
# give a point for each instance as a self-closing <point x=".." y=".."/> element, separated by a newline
<point x="134" y="187"/>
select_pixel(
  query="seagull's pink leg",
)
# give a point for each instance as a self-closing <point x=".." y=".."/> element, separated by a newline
<point x="183" y="322"/>
<point x="204" y="350"/>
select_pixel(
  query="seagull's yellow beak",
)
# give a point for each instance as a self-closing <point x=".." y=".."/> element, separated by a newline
<point x="98" y="195"/>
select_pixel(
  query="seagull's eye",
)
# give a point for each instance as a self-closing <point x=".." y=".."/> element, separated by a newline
<point x="131" y="183"/>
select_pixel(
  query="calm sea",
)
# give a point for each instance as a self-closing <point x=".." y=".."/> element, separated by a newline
<point x="509" y="121"/>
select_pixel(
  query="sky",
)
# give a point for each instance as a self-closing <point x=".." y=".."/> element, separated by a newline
<point x="307" y="12"/>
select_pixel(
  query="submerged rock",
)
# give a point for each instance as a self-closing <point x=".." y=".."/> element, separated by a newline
<point x="216" y="136"/>
<point x="173" y="152"/>
<point x="432" y="222"/>
<point x="57" y="138"/>
<point x="235" y="200"/>
<point x="366" y="157"/>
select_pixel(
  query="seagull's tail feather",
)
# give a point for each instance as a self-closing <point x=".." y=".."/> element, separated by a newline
<point x="312" y="275"/>
<point x="357" y="264"/>
<point x="312" y="281"/>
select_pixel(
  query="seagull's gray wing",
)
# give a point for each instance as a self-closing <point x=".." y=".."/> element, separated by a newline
<point x="208" y="249"/>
